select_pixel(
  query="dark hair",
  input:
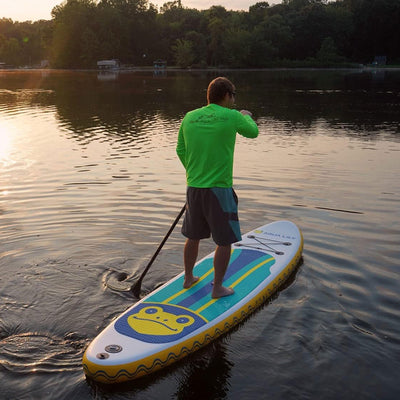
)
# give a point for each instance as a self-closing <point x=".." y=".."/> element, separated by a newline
<point x="218" y="88"/>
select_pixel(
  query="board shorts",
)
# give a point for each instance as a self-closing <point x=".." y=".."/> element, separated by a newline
<point x="212" y="211"/>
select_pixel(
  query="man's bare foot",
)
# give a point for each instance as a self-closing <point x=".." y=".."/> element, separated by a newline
<point x="188" y="282"/>
<point x="221" y="292"/>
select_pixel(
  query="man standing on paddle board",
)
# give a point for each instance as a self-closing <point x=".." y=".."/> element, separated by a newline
<point x="206" y="143"/>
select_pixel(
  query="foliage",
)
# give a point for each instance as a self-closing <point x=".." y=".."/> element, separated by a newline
<point x="81" y="32"/>
<point x="184" y="54"/>
<point x="328" y="52"/>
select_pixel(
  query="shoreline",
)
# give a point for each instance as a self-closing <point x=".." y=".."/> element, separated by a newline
<point x="210" y="69"/>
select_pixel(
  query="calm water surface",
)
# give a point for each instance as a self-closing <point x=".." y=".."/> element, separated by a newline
<point x="89" y="185"/>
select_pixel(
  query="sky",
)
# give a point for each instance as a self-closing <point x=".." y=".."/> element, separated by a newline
<point x="33" y="10"/>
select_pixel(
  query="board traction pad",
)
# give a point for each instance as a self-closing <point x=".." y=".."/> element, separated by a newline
<point x="172" y="313"/>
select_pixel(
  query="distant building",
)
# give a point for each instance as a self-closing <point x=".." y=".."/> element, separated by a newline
<point x="160" y="64"/>
<point x="379" y="60"/>
<point x="108" y="64"/>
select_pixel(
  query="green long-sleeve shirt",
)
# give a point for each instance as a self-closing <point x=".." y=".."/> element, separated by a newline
<point x="206" y="143"/>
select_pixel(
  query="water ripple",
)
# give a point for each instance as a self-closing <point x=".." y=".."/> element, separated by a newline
<point x="39" y="353"/>
<point x="90" y="184"/>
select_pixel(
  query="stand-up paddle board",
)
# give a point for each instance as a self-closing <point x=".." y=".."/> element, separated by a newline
<point x="172" y="322"/>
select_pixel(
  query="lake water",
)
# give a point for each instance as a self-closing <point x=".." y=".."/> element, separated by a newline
<point x="90" y="184"/>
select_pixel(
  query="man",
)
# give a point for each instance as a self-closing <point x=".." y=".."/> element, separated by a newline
<point x="206" y="143"/>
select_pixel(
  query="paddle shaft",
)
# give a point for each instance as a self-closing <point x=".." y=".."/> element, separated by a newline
<point x="135" y="289"/>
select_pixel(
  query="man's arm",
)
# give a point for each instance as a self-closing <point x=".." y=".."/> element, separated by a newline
<point x="180" y="147"/>
<point x="246" y="125"/>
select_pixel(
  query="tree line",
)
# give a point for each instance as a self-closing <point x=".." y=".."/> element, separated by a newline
<point x="293" y="33"/>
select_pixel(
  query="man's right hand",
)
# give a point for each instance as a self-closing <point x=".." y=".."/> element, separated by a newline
<point x="245" y="112"/>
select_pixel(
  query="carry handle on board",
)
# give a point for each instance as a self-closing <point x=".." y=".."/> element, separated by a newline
<point x="135" y="289"/>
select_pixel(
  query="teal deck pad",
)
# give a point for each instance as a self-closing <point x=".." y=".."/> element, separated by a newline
<point x="246" y="270"/>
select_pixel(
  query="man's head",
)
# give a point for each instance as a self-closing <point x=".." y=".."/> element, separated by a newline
<point x="221" y="91"/>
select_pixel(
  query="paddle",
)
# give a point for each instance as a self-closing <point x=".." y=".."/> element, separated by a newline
<point x="135" y="289"/>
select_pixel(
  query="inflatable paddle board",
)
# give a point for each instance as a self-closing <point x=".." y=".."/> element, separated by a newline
<point x="172" y="322"/>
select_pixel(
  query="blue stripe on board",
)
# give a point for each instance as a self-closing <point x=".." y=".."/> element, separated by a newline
<point x="199" y="294"/>
<point x="177" y="286"/>
<point x="196" y="290"/>
<point x="241" y="290"/>
<point x="204" y="287"/>
<point x="242" y="259"/>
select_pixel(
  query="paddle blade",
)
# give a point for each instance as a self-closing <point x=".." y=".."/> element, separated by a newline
<point x="136" y="289"/>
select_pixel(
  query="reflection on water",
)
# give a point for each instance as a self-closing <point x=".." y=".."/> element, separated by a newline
<point x="208" y="375"/>
<point x="205" y="373"/>
<point x="107" y="75"/>
<point x="90" y="183"/>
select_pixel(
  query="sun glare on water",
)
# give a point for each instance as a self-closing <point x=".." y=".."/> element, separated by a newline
<point x="6" y="144"/>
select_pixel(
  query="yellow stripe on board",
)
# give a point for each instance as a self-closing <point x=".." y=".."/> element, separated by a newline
<point x="199" y="310"/>
<point x="251" y="271"/>
<point x="184" y="290"/>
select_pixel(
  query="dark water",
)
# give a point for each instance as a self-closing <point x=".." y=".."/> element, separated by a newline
<point x="89" y="185"/>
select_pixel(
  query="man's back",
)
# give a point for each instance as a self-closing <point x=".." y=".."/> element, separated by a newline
<point x="206" y="144"/>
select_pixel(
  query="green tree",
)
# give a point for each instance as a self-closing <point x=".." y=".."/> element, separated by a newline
<point x="69" y="19"/>
<point x="110" y="30"/>
<point x="328" y="53"/>
<point x="308" y="22"/>
<point x="257" y="12"/>
<point x="237" y="47"/>
<point x="133" y="31"/>
<point x="30" y="42"/>
<point x="90" y="48"/>
<point x="270" y="40"/>
<point x="11" y="52"/>
<point x="217" y="32"/>
<point x="199" y="47"/>
<point x="175" y="22"/>
<point x="376" y="28"/>
<point x="184" y="55"/>
<point x="340" y="27"/>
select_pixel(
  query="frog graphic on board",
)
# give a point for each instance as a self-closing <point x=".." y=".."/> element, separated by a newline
<point x="156" y="322"/>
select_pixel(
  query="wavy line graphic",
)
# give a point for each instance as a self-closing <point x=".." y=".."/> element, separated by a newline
<point x="158" y="363"/>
